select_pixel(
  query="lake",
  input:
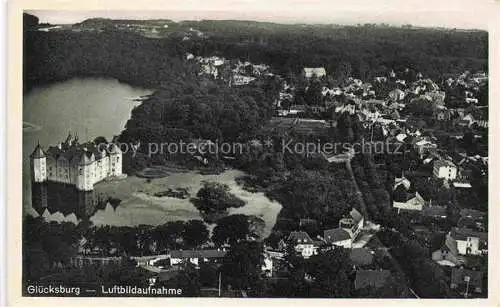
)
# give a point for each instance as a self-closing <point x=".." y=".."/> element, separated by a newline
<point x="94" y="107"/>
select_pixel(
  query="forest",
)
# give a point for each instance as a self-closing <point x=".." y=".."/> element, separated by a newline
<point x="363" y="51"/>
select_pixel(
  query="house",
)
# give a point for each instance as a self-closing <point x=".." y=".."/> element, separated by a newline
<point x="401" y="181"/>
<point x="466" y="281"/>
<point x="303" y="243"/>
<point x="361" y="257"/>
<point x="415" y="203"/>
<point x="338" y="237"/>
<point x="317" y="72"/>
<point x="196" y="256"/>
<point x="445" y="169"/>
<point x="447" y="254"/>
<point x="241" y="79"/>
<point x="424" y="147"/>
<point x="267" y="266"/>
<point x="442" y="115"/>
<point x="473" y="219"/>
<point x="397" y="95"/>
<point x="353" y="224"/>
<point x="371" y="278"/>
<point x="435" y="212"/>
<point x="468" y="241"/>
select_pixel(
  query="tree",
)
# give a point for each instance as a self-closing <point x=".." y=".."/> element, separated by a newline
<point x="168" y="234"/>
<point x="214" y="197"/>
<point x="331" y="274"/>
<point x="231" y="229"/>
<point x="313" y="95"/>
<point x="195" y="233"/>
<point x="242" y="266"/>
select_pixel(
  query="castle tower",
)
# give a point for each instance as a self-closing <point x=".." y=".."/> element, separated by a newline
<point x="86" y="171"/>
<point x="38" y="168"/>
<point x="115" y="160"/>
<point x="38" y="164"/>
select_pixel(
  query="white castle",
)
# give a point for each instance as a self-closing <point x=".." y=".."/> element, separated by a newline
<point x="82" y="165"/>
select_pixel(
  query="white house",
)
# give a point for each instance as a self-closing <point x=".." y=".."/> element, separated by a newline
<point x="468" y="241"/>
<point x="196" y="256"/>
<point x="303" y="243"/>
<point x="317" y="72"/>
<point x="445" y="169"/>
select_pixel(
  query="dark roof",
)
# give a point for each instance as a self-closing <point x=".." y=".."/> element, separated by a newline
<point x="371" y="278"/>
<point x="462" y="234"/>
<point x="459" y="276"/>
<point x="473" y="214"/>
<point x="444" y="163"/>
<point x="435" y="211"/>
<point x="38" y="152"/>
<point x="299" y="237"/>
<point x="361" y="256"/>
<point x="356" y="216"/>
<point x="80" y="153"/>
<point x="203" y="253"/>
<point x="336" y="235"/>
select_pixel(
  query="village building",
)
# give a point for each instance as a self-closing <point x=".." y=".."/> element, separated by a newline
<point x="196" y="257"/>
<point x="338" y="237"/>
<point x="425" y="147"/>
<point x="445" y="169"/>
<point x="415" y="203"/>
<point x="371" y="279"/>
<point x="316" y="72"/>
<point x="302" y="243"/>
<point x="466" y="281"/>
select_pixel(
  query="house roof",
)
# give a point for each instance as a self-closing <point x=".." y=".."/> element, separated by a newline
<point x="202" y="253"/>
<point x="356" y="216"/>
<point x="300" y="237"/>
<point x="444" y="163"/>
<point x="361" y="256"/>
<point x="462" y="185"/>
<point x="461" y="234"/>
<point x="473" y="214"/>
<point x="371" y="278"/>
<point x="435" y="211"/>
<point x="38" y="152"/>
<point x="336" y="235"/>
<point x="405" y="182"/>
<point x="460" y="276"/>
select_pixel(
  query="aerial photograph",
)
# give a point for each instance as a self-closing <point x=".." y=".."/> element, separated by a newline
<point x="237" y="157"/>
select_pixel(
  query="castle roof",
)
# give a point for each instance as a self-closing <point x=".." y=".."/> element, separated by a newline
<point x="80" y="153"/>
<point x="38" y="152"/>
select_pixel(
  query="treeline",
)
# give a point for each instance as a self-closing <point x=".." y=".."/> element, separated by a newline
<point x="128" y="57"/>
<point x="363" y="51"/>
<point x="199" y="108"/>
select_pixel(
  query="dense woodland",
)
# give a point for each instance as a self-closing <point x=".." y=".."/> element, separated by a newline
<point x="361" y="51"/>
<point x="188" y="106"/>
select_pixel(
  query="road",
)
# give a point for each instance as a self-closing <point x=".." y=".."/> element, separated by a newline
<point x="366" y="214"/>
